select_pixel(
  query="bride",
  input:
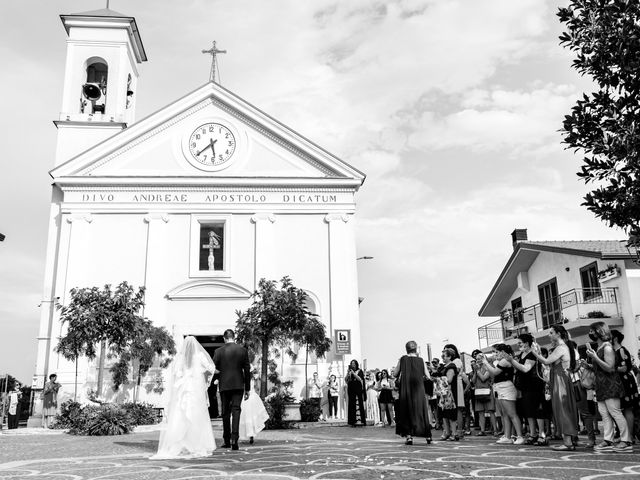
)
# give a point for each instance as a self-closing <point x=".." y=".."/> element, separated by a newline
<point x="187" y="431"/>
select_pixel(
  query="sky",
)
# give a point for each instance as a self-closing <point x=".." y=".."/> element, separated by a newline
<point x="451" y="107"/>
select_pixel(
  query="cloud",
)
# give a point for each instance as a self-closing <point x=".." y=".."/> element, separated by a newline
<point x="491" y="120"/>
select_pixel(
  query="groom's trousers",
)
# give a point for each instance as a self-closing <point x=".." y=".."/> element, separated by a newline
<point x="231" y="400"/>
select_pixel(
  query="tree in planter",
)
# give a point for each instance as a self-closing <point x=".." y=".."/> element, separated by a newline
<point x="100" y="316"/>
<point x="605" y="125"/>
<point x="146" y="343"/>
<point x="274" y="319"/>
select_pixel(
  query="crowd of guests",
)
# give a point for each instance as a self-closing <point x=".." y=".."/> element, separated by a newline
<point x="526" y="397"/>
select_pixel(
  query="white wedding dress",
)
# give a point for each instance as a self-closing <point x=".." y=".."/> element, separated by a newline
<point x="187" y="429"/>
<point x="252" y="415"/>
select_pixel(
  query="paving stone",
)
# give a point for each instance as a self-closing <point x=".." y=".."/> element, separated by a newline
<point x="323" y="452"/>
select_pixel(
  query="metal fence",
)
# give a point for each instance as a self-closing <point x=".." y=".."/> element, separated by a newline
<point x="566" y="307"/>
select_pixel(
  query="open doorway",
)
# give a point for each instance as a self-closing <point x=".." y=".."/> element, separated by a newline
<point x="211" y="343"/>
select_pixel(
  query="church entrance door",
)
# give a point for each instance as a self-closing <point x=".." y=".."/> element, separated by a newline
<point x="211" y="343"/>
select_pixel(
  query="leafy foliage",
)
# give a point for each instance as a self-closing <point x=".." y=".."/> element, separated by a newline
<point x="109" y="420"/>
<point x="604" y="125"/>
<point x="140" y="352"/>
<point x="94" y="316"/>
<point x="310" y="411"/>
<point x="277" y="400"/>
<point x="105" y="419"/>
<point x="276" y="318"/>
<point x="141" y="413"/>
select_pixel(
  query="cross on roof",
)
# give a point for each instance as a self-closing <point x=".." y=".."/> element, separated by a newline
<point x="213" y="51"/>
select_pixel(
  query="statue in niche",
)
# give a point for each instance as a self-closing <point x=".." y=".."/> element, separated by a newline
<point x="214" y="243"/>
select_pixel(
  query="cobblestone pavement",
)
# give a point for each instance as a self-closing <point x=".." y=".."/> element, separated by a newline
<point x="315" y="453"/>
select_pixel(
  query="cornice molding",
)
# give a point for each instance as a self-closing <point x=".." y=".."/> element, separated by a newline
<point x="203" y="289"/>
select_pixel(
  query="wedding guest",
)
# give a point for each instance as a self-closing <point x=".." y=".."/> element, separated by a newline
<point x="412" y="417"/>
<point x="609" y="390"/>
<point x="462" y="380"/>
<point x="356" y="392"/>
<point x="447" y="382"/>
<point x="587" y="407"/>
<point x="506" y="392"/>
<point x="562" y="361"/>
<point x="531" y="386"/>
<point x="333" y="393"/>
<point x="485" y="403"/>
<point x="315" y="391"/>
<point x="630" y="400"/>
<point x="14" y="407"/>
<point x="373" y="408"/>
<point x="50" y="401"/>
<point x="385" y="397"/>
<point x="253" y="414"/>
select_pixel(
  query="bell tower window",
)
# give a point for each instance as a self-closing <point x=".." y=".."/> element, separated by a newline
<point x="93" y="98"/>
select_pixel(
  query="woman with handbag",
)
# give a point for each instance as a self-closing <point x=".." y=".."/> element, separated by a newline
<point x="630" y="400"/>
<point x="563" y="399"/>
<point x="531" y="386"/>
<point x="506" y="393"/>
<point x="448" y="395"/>
<point x="385" y="397"/>
<point x="609" y="390"/>
<point x="484" y="401"/>
<point x="412" y="417"/>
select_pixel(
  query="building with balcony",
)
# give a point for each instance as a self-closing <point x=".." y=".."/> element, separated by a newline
<point x="569" y="283"/>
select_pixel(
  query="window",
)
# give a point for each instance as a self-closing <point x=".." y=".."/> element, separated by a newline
<point x="209" y="244"/>
<point x="212" y="247"/>
<point x="590" y="282"/>
<point x="549" y="303"/>
<point x="516" y="308"/>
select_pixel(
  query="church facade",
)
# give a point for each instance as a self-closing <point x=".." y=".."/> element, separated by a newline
<point x="196" y="202"/>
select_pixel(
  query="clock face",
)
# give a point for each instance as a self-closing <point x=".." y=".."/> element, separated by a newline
<point x="212" y="144"/>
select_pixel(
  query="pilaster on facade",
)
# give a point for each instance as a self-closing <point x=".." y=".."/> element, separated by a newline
<point x="157" y="248"/>
<point x="343" y="277"/>
<point x="335" y="217"/>
<point x="264" y="246"/>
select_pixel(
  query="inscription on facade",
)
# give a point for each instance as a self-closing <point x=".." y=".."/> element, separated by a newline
<point x="209" y="197"/>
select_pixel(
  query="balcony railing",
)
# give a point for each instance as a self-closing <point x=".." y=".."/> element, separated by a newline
<point x="567" y="307"/>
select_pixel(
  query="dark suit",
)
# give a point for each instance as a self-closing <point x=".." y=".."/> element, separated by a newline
<point x="232" y="361"/>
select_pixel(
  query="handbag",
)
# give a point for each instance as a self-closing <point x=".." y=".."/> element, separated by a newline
<point x="428" y="386"/>
<point x="587" y="378"/>
<point x="482" y="394"/>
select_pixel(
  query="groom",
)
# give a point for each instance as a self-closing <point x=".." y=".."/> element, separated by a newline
<point x="232" y="361"/>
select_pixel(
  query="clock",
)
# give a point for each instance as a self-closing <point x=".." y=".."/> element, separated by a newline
<point x="211" y="145"/>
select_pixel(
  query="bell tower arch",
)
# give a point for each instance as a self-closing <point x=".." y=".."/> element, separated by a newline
<point x="104" y="49"/>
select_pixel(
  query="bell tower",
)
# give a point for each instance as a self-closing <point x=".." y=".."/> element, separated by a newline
<point x="104" y="49"/>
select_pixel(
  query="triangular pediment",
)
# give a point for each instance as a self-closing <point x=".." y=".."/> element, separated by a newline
<point x="163" y="146"/>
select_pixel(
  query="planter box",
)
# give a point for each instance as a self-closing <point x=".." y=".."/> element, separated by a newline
<point x="607" y="275"/>
<point x="292" y="412"/>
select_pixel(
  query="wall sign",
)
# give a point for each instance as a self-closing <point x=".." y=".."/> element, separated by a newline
<point x="343" y="342"/>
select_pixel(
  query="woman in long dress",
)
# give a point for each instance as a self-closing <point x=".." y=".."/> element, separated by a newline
<point x="563" y="398"/>
<point x="50" y="401"/>
<point x="253" y="415"/>
<point x="412" y="417"/>
<point x="356" y="393"/>
<point x="188" y="433"/>
<point x="373" y="409"/>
